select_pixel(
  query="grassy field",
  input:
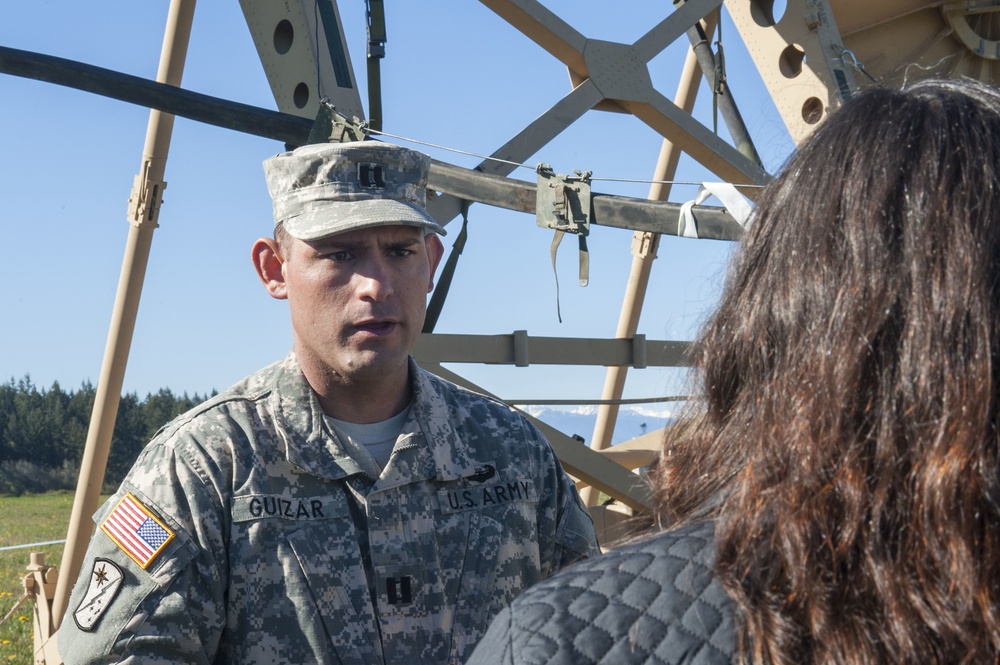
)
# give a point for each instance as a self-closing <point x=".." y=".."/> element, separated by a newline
<point x="26" y="519"/>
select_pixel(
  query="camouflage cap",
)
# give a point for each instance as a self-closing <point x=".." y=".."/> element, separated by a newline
<point x="323" y="189"/>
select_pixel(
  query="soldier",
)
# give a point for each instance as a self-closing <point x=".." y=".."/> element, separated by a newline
<point x="341" y="505"/>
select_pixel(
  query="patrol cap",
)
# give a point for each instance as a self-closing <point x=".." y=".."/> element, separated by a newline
<point x="323" y="189"/>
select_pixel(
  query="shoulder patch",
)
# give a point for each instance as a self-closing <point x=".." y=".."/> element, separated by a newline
<point x="105" y="580"/>
<point x="139" y="533"/>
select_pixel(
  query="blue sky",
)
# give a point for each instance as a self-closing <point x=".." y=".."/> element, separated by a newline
<point x="455" y="74"/>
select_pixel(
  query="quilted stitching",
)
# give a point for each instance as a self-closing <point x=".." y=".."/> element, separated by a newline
<point x="653" y="602"/>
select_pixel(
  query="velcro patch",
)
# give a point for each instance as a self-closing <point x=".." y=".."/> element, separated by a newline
<point x="253" y="507"/>
<point x="138" y="532"/>
<point x="490" y="494"/>
<point x="105" y="580"/>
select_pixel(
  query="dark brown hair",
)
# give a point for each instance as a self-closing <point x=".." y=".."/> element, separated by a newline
<point x="848" y="442"/>
<point x="281" y="237"/>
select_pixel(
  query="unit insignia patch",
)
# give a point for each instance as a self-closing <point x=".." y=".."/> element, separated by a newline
<point x="105" y="580"/>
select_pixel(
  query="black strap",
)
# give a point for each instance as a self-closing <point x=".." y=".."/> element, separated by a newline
<point x="444" y="282"/>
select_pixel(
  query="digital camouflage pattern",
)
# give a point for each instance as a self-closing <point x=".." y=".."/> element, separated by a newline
<point x="371" y="183"/>
<point x="290" y="548"/>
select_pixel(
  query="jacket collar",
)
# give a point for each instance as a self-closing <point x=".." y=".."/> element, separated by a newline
<point x="430" y="439"/>
<point x="299" y="424"/>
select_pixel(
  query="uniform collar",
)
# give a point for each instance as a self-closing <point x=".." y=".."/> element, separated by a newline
<point x="311" y="444"/>
<point x="436" y="411"/>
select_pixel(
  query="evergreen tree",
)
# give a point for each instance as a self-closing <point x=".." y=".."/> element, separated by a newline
<point x="47" y="429"/>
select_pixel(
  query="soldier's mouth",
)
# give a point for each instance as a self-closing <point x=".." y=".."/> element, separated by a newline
<point x="376" y="328"/>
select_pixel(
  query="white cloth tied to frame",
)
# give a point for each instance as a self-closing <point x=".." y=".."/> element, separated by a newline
<point x="734" y="202"/>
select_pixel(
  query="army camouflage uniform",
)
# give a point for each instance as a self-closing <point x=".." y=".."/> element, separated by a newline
<point x="288" y="547"/>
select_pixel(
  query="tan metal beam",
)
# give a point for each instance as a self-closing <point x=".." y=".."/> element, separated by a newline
<point x="638" y="452"/>
<point x="621" y="212"/>
<point x="604" y="72"/>
<point x="143" y="211"/>
<point x="546" y="29"/>
<point x="521" y="350"/>
<point x="696" y="140"/>
<point x="799" y="57"/>
<point x="543" y="129"/>
<point x="667" y="31"/>
<point x="596" y="470"/>
<point x="644" y="251"/>
<point x="528" y="141"/>
<point x="302" y="47"/>
<point x="620" y="73"/>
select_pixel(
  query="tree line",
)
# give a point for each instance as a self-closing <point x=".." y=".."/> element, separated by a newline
<point x="43" y="432"/>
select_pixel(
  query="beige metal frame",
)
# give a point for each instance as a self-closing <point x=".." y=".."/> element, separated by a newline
<point x="820" y="52"/>
<point x="644" y="249"/>
<point x="144" y="205"/>
<point x="609" y="76"/>
<point x="299" y="61"/>
<point x="40" y="586"/>
<point x="800" y="57"/>
<point x="899" y="40"/>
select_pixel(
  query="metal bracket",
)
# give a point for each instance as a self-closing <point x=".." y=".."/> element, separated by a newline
<point x="521" y="356"/>
<point x="145" y="199"/>
<point x="563" y="201"/>
<point x="333" y="127"/>
<point x="645" y="244"/>
<point x="639" y="351"/>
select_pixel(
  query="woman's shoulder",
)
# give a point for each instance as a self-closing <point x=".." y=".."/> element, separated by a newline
<point x="651" y="601"/>
<point x="672" y="562"/>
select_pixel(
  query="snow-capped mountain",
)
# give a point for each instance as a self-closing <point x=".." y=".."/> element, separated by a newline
<point x="632" y="421"/>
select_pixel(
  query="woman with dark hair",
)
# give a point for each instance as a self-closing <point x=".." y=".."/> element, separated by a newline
<point x="838" y="500"/>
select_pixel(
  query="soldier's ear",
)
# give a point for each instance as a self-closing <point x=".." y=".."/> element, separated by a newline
<point x="268" y="262"/>
<point x="435" y="250"/>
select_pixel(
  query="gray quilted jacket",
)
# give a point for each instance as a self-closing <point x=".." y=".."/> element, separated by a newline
<point x="654" y="601"/>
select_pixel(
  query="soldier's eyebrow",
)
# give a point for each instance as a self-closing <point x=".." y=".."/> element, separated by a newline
<point x="355" y="243"/>
<point x="399" y="243"/>
<point x="335" y="243"/>
<point x="400" y="239"/>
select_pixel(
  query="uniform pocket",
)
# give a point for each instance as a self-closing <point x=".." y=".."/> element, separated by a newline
<point x="327" y="574"/>
<point x="479" y="599"/>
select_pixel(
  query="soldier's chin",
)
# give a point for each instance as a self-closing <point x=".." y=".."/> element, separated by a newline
<point x="377" y="363"/>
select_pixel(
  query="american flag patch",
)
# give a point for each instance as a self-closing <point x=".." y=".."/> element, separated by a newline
<point x="136" y="530"/>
